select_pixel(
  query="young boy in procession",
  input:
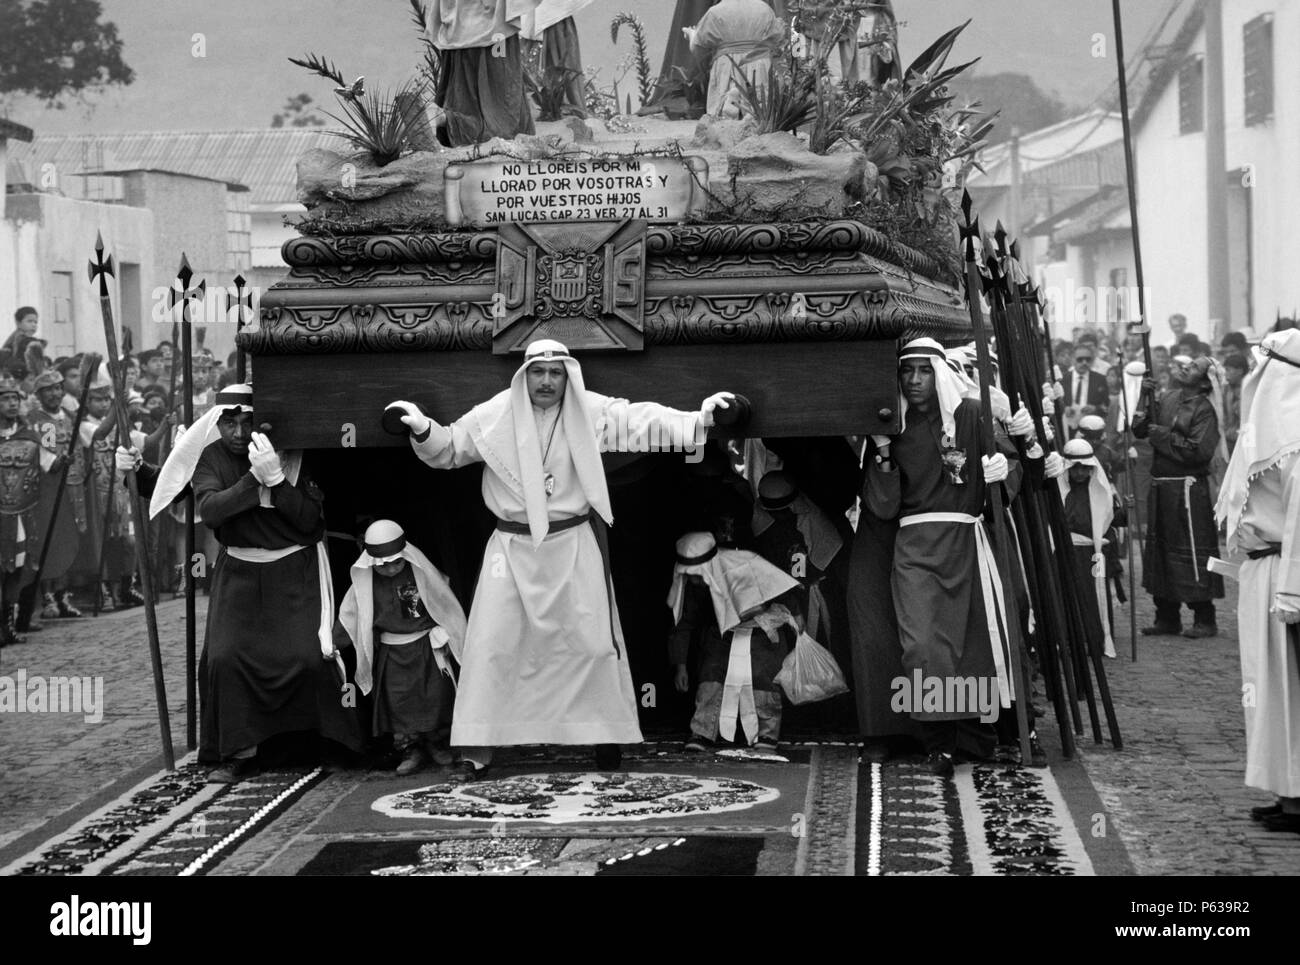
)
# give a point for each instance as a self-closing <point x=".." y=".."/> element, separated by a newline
<point x="730" y="608"/>
<point x="405" y="624"/>
<point x="1091" y="510"/>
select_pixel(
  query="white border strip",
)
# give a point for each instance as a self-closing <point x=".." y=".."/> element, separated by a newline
<point x="873" y="842"/>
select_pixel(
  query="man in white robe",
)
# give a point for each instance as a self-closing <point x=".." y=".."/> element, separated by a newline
<point x="1260" y="507"/>
<point x="739" y="37"/>
<point x="544" y="658"/>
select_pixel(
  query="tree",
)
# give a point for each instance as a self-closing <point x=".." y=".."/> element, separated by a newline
<point x="1023" y="104"/>
<point x="56" y="49"/>
<point x="295" y="113"/>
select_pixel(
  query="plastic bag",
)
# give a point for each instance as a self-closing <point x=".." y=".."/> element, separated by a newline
<point x="809" y="673"/>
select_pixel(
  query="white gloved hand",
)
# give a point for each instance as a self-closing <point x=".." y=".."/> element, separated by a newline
<point x="996" y="467"/>
<point x="1035" y="451"/>
<point x="264" y="461"/>
<point x="1132" y="452"/>
<point x="1021" y="424"/>
<point x="127" y="460"/>
<point x="414" y="419"/>
<point x="882" y="442"/>
<point x="719" y="400"/>
<point x="1048" y="432"/>
<point x="1054" y="465"/>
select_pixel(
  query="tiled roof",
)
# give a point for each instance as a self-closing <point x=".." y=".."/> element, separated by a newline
<point x="265" y="160"/>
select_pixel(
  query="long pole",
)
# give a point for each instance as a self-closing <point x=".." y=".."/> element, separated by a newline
<point x="1144" y="329"/>
<point x="1001" y="543"/>
<point x="191" y="659"/>
<point x="102" y="268"/>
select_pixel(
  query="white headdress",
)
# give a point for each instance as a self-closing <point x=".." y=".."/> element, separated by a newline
<point x="1101" y="505"/>
<point x="385" y="541"/>
<point x="947" y="386"/>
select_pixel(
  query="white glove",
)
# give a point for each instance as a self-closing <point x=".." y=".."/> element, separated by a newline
<point x="1035" y="451"/>
<point x="1048" y="432"/>
<point x="1132" y="452"/>
<point x="996" y="467"/>
<point x="1054" y="465"/>
<point x="414" y="419"/>
<point x="719" y="400"/>
<point x="882" y="442"/>
<point x="1049" y="407"/>
<point x="1021" y="424"/>
<point x="128" y="460"/>
<point x="1057" y="390"/>
<point x="264" y="461"/>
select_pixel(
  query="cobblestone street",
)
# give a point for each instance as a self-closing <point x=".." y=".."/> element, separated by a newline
<point x="1173" y="796"/>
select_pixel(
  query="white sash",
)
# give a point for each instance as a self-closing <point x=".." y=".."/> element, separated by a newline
<point x="995" y="606"/>
<point x="738" y="690"/>
<point x="325" y="631"/>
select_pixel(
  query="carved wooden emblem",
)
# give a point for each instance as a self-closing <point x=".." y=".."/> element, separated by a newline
<point x="581" y="284"/>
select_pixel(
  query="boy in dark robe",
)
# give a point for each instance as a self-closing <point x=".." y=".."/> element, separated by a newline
<point x="404" y="621"/>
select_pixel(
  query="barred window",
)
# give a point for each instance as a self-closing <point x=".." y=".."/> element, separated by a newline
<point x="1191" y="96"/>
<point x="1257" y="36"/>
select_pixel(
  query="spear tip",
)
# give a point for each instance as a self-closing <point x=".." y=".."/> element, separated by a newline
<point x="240" y="281"/>
<point x="966" y="204"/>
<point x="99" y="241"/>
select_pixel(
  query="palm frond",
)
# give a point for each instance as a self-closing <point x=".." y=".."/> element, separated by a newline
<point x="320" y="67"/>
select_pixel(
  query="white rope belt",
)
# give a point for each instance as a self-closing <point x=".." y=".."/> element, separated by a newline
<point x="738" y="690"/>
<point x="995" y="606"/>
<point x="1188" y="482"/>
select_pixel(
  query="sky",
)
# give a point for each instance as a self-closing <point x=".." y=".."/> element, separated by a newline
<point x="220" y="66"/>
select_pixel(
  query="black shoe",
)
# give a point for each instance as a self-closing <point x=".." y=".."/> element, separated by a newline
<point x="1159" y="629"/>
<point x="1198" y="631"/>
<point x="1265" y="811"/>
<point x="940" y="764"/>
<point x="875" y="751"/>
<point x="609" y="757"/>
<point x="1283" y="821"/>
<point x="1037" y="756"/>
<point x="233" y="771"/>
<point x="698" y="745"/>
<point x="466" y="773"/>
<point x="64" y="603"/>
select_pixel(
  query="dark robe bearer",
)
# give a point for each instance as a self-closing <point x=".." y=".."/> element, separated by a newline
<point x="1181" y="536"/>
<point x="921" y="504"/>
<point x="481" y="86"/>
<point x="1089" y="504"/>
<point x="270" y="611"/>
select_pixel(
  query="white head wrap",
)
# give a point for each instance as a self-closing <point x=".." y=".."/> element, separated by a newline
<point x="1101" y="505"/>
<point x="506" y="434"/>
<point x="947" y="386"/>
<point x="1270" y="424"/>
<point x="357" y="613"/>
<point x="739" y="581"/>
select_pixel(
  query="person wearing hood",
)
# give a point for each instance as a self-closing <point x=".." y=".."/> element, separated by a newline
<point x="404" y="622"/>
<point x="269" y="635"/>
<point x="920" y="534"/>
<point x="1259" y="506"/>
<point x="1183" y="426"/>
<point x="545" y="661"/>
<point x="1090" y="513"/>
<point x="731" y="612"/>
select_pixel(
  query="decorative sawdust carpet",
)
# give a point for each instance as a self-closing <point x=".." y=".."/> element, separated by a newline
<point x="988" y="820"/>
<point x="174" y="823"/>
<point x="564" y="798"/>
<point x="695" y="854"/>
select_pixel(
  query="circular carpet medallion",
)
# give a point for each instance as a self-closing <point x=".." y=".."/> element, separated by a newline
<point x="566" y="798"/>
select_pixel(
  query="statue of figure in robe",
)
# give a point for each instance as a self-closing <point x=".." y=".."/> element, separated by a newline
<point x="481" y="86"/>
<point x="739" y="37"/>
<point x="552" y="25"/>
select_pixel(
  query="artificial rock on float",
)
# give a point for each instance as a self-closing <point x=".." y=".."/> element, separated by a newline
<point x="752" y="177"/>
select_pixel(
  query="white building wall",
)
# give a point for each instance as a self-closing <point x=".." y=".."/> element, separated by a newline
<point x="1171" y="216"/>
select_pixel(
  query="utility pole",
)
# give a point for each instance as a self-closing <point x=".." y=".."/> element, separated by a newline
<point x="1216" y="183"/>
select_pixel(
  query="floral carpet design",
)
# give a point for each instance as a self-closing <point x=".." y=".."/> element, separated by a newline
<point x="562" y="798"/>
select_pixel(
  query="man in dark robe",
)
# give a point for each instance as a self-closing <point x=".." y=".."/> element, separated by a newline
<point x="921" y="503"/>
<point x="1181" y="536"/>
<point x="481" y="87"/>
<point x="270" y="609"/>
<point x="1090" y="509"/>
